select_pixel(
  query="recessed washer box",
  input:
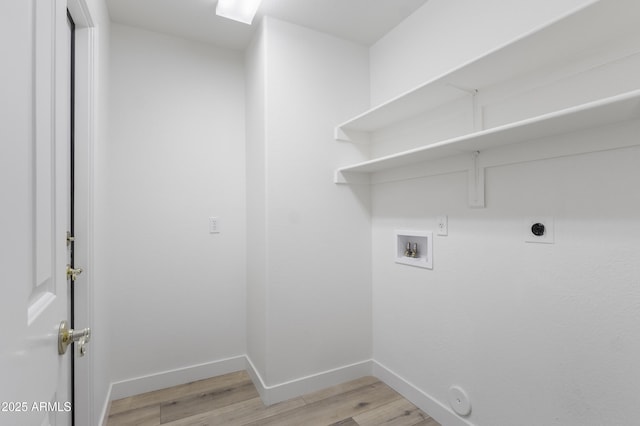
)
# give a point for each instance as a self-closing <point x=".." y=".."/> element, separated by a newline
<point x="414" y="248"/>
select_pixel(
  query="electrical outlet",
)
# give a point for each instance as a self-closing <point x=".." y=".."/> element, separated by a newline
<point x="443" y="226"/>
<point x="539" y="229"/>
<point x="214" y="225"/>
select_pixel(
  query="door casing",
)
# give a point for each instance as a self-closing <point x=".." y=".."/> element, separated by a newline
<point x="84" y="131"/>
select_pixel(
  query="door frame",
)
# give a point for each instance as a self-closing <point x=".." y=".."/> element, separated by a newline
<point x="84" y="130"/>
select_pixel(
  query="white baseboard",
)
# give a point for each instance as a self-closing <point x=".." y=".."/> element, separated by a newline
<point x="256" y="379"/>
<point x="293" y="388"/>
<point x="440" y="412"/>
<point x="166" y="379"/>
<point x="280" y="392"/>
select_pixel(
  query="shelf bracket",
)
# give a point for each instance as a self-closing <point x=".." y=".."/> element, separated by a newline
<point x="477" y="112"/>
<point x="476" y="182"/>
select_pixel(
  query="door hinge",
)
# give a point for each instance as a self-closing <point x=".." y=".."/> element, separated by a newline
<point x="73" y="272"/>
<point x="70" y="238"/>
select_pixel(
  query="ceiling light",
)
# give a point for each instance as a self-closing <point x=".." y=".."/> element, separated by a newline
<point x="238" y="10"/>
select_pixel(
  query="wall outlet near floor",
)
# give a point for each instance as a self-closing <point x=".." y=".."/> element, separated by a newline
<point x="539" y="229"/>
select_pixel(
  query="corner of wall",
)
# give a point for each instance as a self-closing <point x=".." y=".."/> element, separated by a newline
<point x="106" y="407"/>
<point x="304" y="385"/>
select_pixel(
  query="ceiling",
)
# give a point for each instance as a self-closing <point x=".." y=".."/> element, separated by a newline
<point x="361" y="21"/>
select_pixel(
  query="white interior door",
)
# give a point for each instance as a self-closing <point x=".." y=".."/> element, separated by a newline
<point x="35" y="385"/>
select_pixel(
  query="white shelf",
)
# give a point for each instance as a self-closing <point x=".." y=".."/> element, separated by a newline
<point x="570" y="36"/>
<point x="611" y="110"/>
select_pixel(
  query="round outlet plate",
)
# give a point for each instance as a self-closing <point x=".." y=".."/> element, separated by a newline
<point x="459" y="401"/>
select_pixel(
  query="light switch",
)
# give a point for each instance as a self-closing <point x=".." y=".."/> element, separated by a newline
<point x="214" y="225"/>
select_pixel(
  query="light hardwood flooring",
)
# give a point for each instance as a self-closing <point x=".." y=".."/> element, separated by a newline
<point x="232" y="399"/>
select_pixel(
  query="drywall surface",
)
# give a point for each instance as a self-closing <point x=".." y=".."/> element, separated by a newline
<point x="176" y="157"/>
<point x="444" y="34"/>
<point x="535" y="333"/>
<point x="318" y="289"/>
<point x="255" y="80"/>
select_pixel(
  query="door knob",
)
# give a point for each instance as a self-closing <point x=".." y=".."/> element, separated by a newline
<point x="73" y="272"/>
<point x="67" y="336"/>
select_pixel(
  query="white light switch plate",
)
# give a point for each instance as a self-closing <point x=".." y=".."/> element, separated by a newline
<point x="214" y="225"/>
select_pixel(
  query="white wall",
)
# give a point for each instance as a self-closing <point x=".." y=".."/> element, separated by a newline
<point x="176" y="156"/>
<point x="317" y="292"/>
<point x="457" y="32"/>
<point x="535" y="333"/>
<point x="319" y="234"/>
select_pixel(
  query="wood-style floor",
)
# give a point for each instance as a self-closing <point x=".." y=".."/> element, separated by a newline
<point x="233" y="400"/>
